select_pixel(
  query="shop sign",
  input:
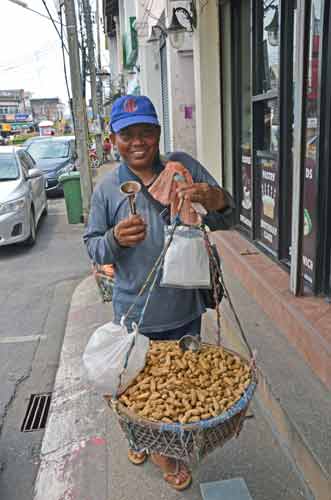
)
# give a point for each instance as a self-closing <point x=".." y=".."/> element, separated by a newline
<point x="309" y="216"/>
<point x="130" y="44"/>
<point x="268" y="198"/>
<point x="10" y="118"/>
<point x="246" y="182"/>
<point x="5" y="127"/>
<point x="21" y="117"/>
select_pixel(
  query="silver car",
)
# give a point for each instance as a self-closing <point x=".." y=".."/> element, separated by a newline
<point x="22" y="196"/>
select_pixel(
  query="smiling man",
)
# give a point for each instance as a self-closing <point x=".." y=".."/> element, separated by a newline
<point x="133" y="242"/>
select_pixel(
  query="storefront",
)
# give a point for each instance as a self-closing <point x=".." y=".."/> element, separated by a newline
<point x="276" y="112"/>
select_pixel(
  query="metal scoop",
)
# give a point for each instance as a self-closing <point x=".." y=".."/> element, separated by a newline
<point x="189" y="343"/>
<point x="130" y="189"/>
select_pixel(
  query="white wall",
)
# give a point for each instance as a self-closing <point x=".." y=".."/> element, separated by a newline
<point x="183" y="102"/>
<point x="207" y="90"/>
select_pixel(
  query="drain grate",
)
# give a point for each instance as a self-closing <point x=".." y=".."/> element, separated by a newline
<point x="37" y="412"/>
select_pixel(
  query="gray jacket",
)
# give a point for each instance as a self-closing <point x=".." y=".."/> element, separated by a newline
<point x="168" y="308"/>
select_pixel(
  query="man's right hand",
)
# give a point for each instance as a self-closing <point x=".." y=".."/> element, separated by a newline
<point x="129" y="232"/>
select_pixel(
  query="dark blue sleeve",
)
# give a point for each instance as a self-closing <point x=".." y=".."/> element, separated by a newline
<point x="222" y="219"/>
<point x="98" y="237"/>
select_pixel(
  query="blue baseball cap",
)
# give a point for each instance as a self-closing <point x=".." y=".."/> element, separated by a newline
<point x="132" y="110"/>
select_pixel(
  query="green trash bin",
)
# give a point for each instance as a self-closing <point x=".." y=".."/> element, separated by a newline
<point x="73" y="196"/>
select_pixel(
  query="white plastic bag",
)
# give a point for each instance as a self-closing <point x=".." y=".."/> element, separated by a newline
<point x="113" y="357"/>
<point x="186" y="263"/>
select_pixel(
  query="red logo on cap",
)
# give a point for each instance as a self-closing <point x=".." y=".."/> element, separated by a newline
<point x="130" y="106"/>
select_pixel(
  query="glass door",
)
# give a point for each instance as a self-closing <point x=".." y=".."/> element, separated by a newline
<point x="266" y="123"/>
<point x="272" y="103"/>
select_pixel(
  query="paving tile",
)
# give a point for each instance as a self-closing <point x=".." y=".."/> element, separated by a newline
<point x="230" y="489"/>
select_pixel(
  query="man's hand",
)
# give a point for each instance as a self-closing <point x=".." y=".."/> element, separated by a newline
<point x="211" y="197"/>
<point x="131" y="231"/>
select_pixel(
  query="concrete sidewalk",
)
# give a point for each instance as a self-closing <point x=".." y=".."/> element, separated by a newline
<point x="83" y="456"/>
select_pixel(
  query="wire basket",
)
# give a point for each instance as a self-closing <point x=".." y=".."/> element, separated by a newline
<point x="187" y="442"/>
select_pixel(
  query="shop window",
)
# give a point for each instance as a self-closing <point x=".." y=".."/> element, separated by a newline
<point x="266" y="124"/>
<point x="241" y="89"/>
<point x="267" y="174"/>
<point x="270" y="45"/>
<point x="246" y="116"/>
<point x="311" y="141"/>
<point x="262" y="92"/>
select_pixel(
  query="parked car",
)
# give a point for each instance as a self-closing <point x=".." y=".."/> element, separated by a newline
<point x="36" y="138"/>
<point x="23" y="197"/>
<point x="55" y="156"/>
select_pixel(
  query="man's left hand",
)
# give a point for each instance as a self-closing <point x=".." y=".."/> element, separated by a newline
<point x="211" y="197"/>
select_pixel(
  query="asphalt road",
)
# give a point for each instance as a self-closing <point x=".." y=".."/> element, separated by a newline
<point x="36" y="285"/>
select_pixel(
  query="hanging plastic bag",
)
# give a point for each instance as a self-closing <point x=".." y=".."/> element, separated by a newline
<point x="186" y="263"/>
<point x="113" y="357"/>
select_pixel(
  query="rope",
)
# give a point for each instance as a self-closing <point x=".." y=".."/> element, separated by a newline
<point x="216" y="275"/>
<point x="221" y="279"/>
<point x="155" y="270"/>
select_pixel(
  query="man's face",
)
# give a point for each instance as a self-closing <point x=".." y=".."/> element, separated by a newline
<point x="138" y="144"/>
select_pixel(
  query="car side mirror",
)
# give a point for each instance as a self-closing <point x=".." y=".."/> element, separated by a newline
<point x="74" y="156"/>
<point x="34" y="173"/>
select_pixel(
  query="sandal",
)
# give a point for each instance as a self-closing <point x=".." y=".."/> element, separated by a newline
<point x="180" y="479"/>
<point x="137" y="458"/>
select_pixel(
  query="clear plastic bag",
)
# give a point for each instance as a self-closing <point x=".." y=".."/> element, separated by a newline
<point x="186" y="263"/>
<point x="113" y="357"/>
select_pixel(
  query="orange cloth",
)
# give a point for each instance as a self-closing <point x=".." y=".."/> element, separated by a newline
<point x="164" y="191"/>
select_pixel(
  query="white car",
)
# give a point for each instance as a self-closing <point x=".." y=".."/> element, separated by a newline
<point x="22" y="196"/>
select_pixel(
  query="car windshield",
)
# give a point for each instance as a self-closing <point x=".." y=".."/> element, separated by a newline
<point x="48" y="149"/>
<point x="8" y="168"/>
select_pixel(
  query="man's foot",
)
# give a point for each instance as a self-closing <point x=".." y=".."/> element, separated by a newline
<point x="137" y="458"/>
<point x="174" y="471"/>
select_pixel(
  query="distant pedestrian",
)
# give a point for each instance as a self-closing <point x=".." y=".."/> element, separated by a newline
<point x="106" y="149"/>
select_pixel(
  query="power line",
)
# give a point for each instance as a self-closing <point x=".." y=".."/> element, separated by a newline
<point x="9" y="67"/>
<point x="64" y="63"/>
<point x="56" y="28"/>
<point x="25" y="6"/>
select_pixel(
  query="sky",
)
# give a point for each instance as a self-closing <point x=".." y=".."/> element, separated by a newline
<point x="31" y="55"/>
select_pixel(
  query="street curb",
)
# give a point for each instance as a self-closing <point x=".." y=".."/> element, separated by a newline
<point x="74" y="454"/>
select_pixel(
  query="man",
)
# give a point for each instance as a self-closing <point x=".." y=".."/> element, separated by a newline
<point x="132" y="243"/>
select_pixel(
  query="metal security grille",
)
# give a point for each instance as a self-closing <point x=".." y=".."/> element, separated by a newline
<point x="165" y="98"/>
<point x="37" y="412"/>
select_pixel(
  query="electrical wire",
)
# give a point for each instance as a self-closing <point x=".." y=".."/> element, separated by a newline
<point x="53" y="22"/>
<point x="83" y="48"/>
<point x="8" y="67"/>
<point x="32" y="10"/>
<point x="64" y="59"/>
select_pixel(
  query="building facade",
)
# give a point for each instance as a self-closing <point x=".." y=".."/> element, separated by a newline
<point x="15" y="110"/>
<point x="47" y="109"/>
<point x="275" y="112"/>
<point x="157" y="68"/>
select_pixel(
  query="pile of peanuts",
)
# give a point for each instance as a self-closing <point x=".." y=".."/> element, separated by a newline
<point x="185" y="387"/>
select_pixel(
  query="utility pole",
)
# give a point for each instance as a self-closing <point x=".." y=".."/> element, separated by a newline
<point x="93" y="78"/>
<point x="99" y="85"/>
<point x="78" y="106"/>
<point x="97" y="15"/>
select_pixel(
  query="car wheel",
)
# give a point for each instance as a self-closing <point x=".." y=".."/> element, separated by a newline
<point x="32" y="238"/>
<point x="45" y="211"/>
